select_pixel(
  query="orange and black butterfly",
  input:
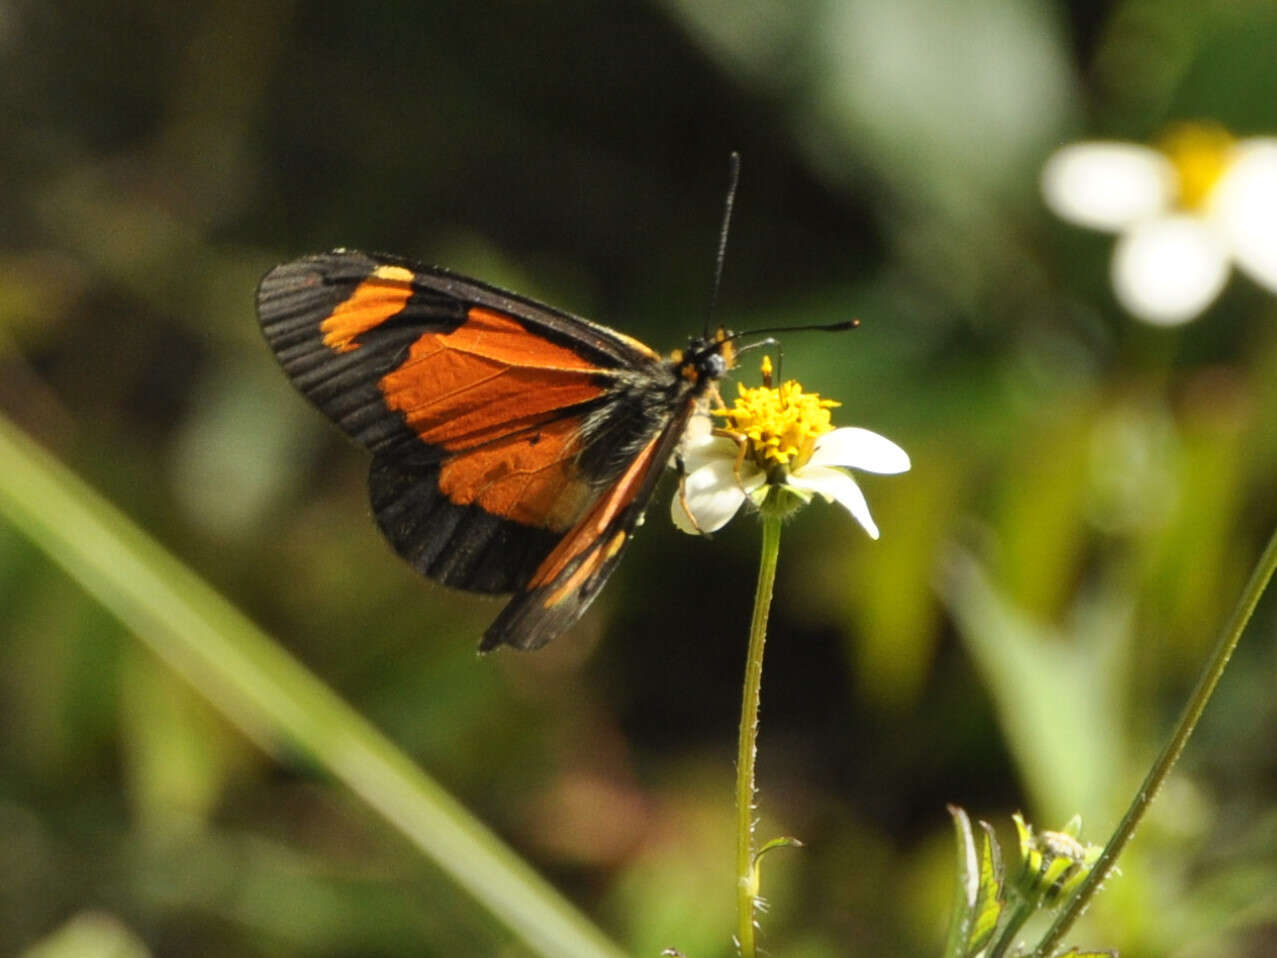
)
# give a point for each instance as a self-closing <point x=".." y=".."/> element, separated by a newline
<point x="515" y="446"/>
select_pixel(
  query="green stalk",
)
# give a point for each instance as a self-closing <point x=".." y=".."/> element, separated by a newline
<point x="1019" y="917"/>
<point x="1215" y="666"/>
<point x="269" y="695"/>
<point x="747" y="744"/>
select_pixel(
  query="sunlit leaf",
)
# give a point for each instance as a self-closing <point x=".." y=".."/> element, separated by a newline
<point x="978" y="901"/>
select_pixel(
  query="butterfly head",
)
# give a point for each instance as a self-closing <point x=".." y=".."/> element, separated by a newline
<point x="707" y="359"/>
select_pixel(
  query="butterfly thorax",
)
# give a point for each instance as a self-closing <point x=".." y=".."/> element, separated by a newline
<point x="645" y="402"/>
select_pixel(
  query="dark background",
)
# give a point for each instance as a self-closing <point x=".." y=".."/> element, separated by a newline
<point x="1087" y="496"/>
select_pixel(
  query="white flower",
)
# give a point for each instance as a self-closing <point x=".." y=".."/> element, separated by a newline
<point x="1185" y="211"/>
<point x="781" y="439"/>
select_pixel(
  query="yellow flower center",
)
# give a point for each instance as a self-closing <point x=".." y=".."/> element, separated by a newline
<point x="779" y="425"/>
<point x="1201" y="153"/>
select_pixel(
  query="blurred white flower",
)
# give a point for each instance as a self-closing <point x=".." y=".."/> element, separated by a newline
<point x="782" y="444"/>
<point x="1185" y="211"/>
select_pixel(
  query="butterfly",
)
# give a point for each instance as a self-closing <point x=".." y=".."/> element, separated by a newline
<point x="514" y="446"/>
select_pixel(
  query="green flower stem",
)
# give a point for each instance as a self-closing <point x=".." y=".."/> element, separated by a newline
<point x="269" y="695"/>
<point x="1022" y="913"/>
<point x="1215" y="666"/>
<point x="747" y="744"/>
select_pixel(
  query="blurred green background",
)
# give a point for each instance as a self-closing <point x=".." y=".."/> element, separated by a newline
<point x="1087" y="497"/>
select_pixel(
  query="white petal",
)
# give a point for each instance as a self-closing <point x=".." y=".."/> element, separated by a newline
<point x="1167" y="270"/>
<point x="706" y="451"/>
<point x="699" y="424"/>
<point x="859" y="449"/>
<point x="698" y="429"/>
<point x="713" y="496"/>
<point x="1107" y="186"/>
<point x="836" y="486"/>
<point x="701" y="447"/>
<point x="1244" y="204"/>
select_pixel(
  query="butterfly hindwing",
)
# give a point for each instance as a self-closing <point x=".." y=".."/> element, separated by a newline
<point x="567" y="580"/>
<point x="458" y="545"/>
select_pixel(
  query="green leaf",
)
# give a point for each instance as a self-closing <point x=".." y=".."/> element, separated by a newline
<point x="90" y="934"/>
<point x="991" y="901"/>
<point x="784" y="841"/>
<point x="1057" y="689"/>
<point x="978" y="901"/>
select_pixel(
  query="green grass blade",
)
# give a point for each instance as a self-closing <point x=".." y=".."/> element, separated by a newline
<point x="268" y="694"/>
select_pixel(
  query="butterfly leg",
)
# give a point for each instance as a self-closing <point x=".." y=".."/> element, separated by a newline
<point x="742" y="449"/>
<point x="682" y="496"/>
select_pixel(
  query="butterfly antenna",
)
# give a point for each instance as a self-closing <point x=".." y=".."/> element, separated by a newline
<point x="733" y="177"/>
<point x="839" y="327"/>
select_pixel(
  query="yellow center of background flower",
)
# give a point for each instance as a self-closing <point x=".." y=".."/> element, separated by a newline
<point x="780" y="425"/>
<point x="1200" y="153"/>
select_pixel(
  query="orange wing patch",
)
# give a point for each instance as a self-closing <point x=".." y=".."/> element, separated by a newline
<point x="591" y="528"/>
<point x="531" y="480"/>
<point x="380" y="296"/>
<point x="485" y="379"/>
<point x="502" y="338"/>
<point x="494" y="394"/>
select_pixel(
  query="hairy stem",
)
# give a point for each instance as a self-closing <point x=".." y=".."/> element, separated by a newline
<point x="747" y="743"/>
